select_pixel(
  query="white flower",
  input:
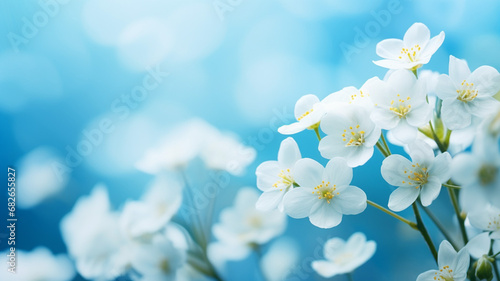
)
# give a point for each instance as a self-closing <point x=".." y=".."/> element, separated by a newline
<point x="225" y="152"/>
<point x="351" y="95"/>
<point x="324" y="194"/>
<point x="154" y="211"/>
<point x="242" y="226"/>
<point x="479" y="175"/>
<point x="453" y="266"/>
<point x="39" y="264"/>
<point x="160" y="260"/>
<point x="400" y="105"/>
<point x="487" y="219"/>
<point x="350" y="135"/>
<point x="92" y="234"/>
<point x="467" y="94"/>
<point x="196" y="138"/>
<point x="429" y="79"/>
<point x="344" y="257"/>
<point x="415" y="50"/>
<point x="422" y="176"/>
<point x="275" y="178"/>
<point x="308" y="112"/>
<point x="38" y="177"/>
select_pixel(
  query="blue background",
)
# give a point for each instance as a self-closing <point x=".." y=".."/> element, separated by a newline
<point x="235" y="72"/>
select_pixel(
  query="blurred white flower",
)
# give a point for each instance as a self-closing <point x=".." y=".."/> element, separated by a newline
<point x="467" y="94"/>
<point x="242" y="227"/>
<point x="154" y="210"/>
<point x="38" y="177"/>
<point x="400" y="105"/>
<point x="415" y="50"/>
<point x="39" y="264"/>
<point x="243" y="224"/>
<point x="344" y="256"/>
<point x="160" y="260"/>
<point x="225" y="152"/>
<point x="351" y="95"/>
<point x="479" y="175"/>
<point x="275" y="178"/>
<point x="487" y="219"/>
<point x="283" y="250"/>
<point x="430" y="80"/>
<point x="423" y="175"/>
<point x="196" y="138"/>
<point x="92" y="235"/>
<point x="452" y="265"/>
<point x="308" y="112"/>
<point x="351" y="134"/>
<point x="324" y="194"/>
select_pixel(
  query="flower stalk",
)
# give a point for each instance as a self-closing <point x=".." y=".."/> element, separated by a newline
<point x="394" y="215"/>
<point x="424" y="232"/>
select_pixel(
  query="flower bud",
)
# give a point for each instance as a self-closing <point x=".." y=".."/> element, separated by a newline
<point x="484" y="269"/>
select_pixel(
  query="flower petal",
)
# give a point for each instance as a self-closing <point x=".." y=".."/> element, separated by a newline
<point x="479" y="245"/>
<point x="404" y="132"/>
<point x="393" y="168"/>
<point x="419" y="115"/>
<point x="389" y="48"/>
<point x="299" y="202"/>
<point x="325" y="216"/>
<point x="351" y="200"/>
<point x="486" y="79"/>
<point x="269" y="200"/>
<point x="291" y="129"/>
<point x="441" y="168"/>
<point x="421" y="152"/>
<point x="417" y="34"/>
<point x="333" y="247"/>
<point x="455" y="115"/>
<point x="384" y="118"/>
<point x="289" y="153"/>
<point x="402" y="198"/>
<point x="458" y="70"/>
<point x="267" y="175"/>
<point x="308" y="173"/>
<point x="338" y="172"/>
<point x="325" y="268"/>
<point x="446" y="88"/>
<point x="427" y="276"/>
<point x="305" y="104"/>
<point x="446" y="254"/>
<point x="430" y="191"/>
<point x="433" y="45"/>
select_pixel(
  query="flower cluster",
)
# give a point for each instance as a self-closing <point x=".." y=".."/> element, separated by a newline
<point x="435" y="118"/>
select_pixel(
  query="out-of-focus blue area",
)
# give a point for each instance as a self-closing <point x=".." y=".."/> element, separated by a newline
<point x="65" y="66"/>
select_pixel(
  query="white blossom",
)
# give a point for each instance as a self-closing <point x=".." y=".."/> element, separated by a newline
<point x="452" y="266"/>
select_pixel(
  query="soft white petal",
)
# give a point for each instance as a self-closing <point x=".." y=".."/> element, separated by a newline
<point x="483" y="106"/>
<point x="299" y="202"/>
<point x="446" y="254"/>
<point x="486" y="79"/>
<point x="325" y="268"/>
<point x="465" y="168"/>
<point x="392" y="64"/>
<point x="269" y="200"/>
<point x="351" y="200"/>
<point x="418" y="33"/>
<point x="389" y="48"/>
<point x="455" y="115"/>
<point x="333" y="146"/>
<point x="359" y="156"/>
<point x="267" y="175"/>
<point x="441" y="168"/>
<point x="461" y="264"/>
<point x="433" y="45"/>
<point x="338" y="172"/>
<point x="384" y="118"/>
<point x="308" y="172"/>
<point x="458" y="70"/>
<point x="419" y="115"/>
<point x="445" y="88"/>
<point x="289" y="153"/>
<point x="404" y="132"/>
<point x="304" y="104"/>
<point x="393" y="168"/>
<point x="430" y="191"/>
<point x="479" y="245"/>
<point x="325" y="216"/>
<point x="292" y="128"/>
<point x="427" y="276"/>
<point x="402" y="198"/>
<point x="421" y="152"/>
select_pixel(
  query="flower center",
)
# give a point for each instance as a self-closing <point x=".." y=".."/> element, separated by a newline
<point x="487" y="174"/>
<point x="325" y="191"/>
<point x="360" y="96"/>
<point x="467" y="93"/>
<point x="255" y="221"/>
<point x="343" y="258"/>
<point x="286" y="180"/>
<point x="353" y="137"/>
<point x="494" y="223"/>
<point x="164" y="266"/>
<point x="418" y="176"/>
<point x="305" y="114"/>
<point x="399" y="107"/>
<point x="445" y="274"/>
<point x="411" y="53"/>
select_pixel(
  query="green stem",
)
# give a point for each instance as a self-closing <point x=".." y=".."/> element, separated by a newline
<point x="451" y="186"/>
<point x="447" y="138"/>
<point x="350" y="277"/>
<point x="382" y="149"/>
<point x="461" y="221"/>
<point x="317" y="133"/>
<point x="436" y="138"/>
<point x="495" y="255"/>
<point x="495" y="268"/>
<point x="410" y="223"/>
<point x="424" y="232"/>
<point x="439" y="225"/>
<point x="385" y="144"/>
